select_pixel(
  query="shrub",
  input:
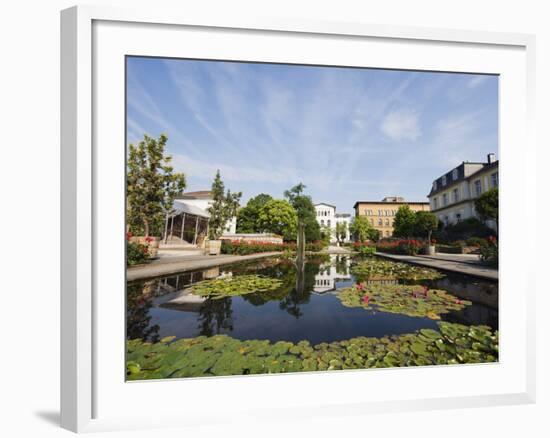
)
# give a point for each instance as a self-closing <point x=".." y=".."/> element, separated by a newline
<point x="136" y="253"/>
<point x="364" y="248"/>
<point x="404" y="246"/>
<point x="476" y="241"/>
<point x="244" y="248"/>
<point x="463" y="230"/>
<point x="489" y="252"/>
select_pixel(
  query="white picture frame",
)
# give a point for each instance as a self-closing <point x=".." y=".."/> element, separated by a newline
<point x="92" y="387"/>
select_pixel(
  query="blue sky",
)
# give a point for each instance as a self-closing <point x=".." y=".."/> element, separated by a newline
<point x="347" y="134"/>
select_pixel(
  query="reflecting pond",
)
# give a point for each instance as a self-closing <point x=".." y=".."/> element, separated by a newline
<point x="304" y="306"/>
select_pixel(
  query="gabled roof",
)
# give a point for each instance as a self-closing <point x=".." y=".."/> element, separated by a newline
<point x="201" y="194"/>
<point x="324" y="203"/>
<point x="461" y="176"/>
<point x="181" y="207"/>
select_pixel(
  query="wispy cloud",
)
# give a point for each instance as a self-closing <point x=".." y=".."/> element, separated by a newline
<point x="401" y="125"/>
<point x="477" y="80"/>
<point x="345" y="133"/>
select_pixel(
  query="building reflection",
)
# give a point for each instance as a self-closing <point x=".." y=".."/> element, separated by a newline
<point x="331" y="272"/>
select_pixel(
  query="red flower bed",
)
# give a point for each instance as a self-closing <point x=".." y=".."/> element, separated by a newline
<point x="243" y="248"/>
<point x="404" y="246"/>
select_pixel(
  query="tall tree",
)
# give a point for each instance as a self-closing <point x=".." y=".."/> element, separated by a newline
<point x="248" y="216"/>
<point x="362" y="230"/>
<point x="404" y="223"/>
<point x="425" y="224"/>
<point x="224" y="207"/>
<point x="279" y="217"/>
<point x="341" y="231"/>
<point x="487" y="206"/>
<point x="305" y="211"/>
<point x="151" y="185"/>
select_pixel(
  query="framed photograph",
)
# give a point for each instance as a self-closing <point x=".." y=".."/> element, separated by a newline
<point x="271" y="207"/>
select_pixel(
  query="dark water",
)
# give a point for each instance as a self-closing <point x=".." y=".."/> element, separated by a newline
<point x="306" y="307"/>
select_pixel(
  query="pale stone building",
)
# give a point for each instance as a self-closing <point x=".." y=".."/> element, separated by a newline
<point x="453" y="194"/>
<point x="381" y="214"/>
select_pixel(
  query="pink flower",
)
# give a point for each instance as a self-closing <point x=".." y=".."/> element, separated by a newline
<point x="366" y="299"/>
<point x="458" y="302"/>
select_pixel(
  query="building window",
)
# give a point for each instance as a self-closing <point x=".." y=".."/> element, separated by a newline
<point x="494" y="180"/>
<point x="372" y="221"/>
<point x="435" y="185"/>
<point x="435" y="202"/>
<point x="322" y="222"/>
<point x="444" y="179"/>
<point x="328" y="223"/>
<point x="455" y="174"/>
<point x="458" y="217"/>
<point x="455" y="195"/>
<point x="445" y="200"/>
<point x="387" y="222"/>
<point x="379" y="212"/>
<point x="477" y="187"/>
<point x="380" y="222"/>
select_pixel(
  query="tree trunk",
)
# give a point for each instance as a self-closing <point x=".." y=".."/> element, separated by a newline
<point x="301" y="246"/>
<point x="145" y="227"/>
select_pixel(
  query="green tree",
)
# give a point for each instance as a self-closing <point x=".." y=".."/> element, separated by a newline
<point x="425" y="224"/>
<point x="151" y="186"/>
<point x="305" y="211"/>
<point x="362" y="230"/>
<point x="487" y="205"/>
<point x="224" y="206"/>
<point x="341" y="231"/>
<point x="248" y="216"/>
<point x="326" y="234"/>
<point x="404" y="223"/>
<point x="279" y="217"/>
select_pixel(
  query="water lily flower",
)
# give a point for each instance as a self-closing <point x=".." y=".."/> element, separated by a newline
<point x="458" y="302"/>
<point x="366" y="299"/>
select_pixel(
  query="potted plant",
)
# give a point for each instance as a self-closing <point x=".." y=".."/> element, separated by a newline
<point x="426" y="223"/>
<point x="151" y="187"/>
<point x="223" y="208"/>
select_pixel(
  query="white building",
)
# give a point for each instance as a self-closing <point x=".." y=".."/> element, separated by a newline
<point x="453" y="195"/>
<point x="203" y="199"/>
<point x="327" y="217"/>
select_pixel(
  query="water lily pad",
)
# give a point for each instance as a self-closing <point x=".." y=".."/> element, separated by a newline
<point x="235" y="286"/>
<point x="414" y="300"/>
<point x="385" y="269"/>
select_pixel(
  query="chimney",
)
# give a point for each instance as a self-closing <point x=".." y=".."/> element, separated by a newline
<point x="491" y="158"/>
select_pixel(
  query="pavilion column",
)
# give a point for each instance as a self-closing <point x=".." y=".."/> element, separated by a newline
<point x="182" y="226"/>
<point x="172" y="227"/>
<point x="196" y="229"/>
<point x="166" y="229"/>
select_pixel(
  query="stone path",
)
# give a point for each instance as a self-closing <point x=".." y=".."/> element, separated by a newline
<point x="444" y="262"/>
<point x="337" y="250"/>
<point x="173" y="265"/>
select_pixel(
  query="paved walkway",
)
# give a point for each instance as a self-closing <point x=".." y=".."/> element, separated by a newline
<point x="337" y="250"/>
<point x="444" y="262"/>
<point x="173" y="265"/>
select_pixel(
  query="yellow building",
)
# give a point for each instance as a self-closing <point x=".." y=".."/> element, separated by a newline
<point x="381" y="214"/>
<point x="453" y="195"/>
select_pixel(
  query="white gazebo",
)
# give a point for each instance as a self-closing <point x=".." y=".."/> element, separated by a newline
<point x="186" y="223"/>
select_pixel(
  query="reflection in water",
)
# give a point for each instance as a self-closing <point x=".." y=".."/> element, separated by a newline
<point x="304" y="307"/>
<point x="336" y="269"/>
<point x="215" y="317"/>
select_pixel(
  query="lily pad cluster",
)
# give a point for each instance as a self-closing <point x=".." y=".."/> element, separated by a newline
<point x="376" y="268"/>
<point x="222" y="355"/>
<point x="235" y="286"/>
<point x="411" y="300"/>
